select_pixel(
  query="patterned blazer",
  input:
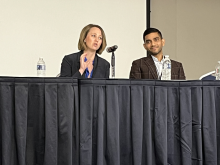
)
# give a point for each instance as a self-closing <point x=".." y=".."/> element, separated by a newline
<point x="145" y="68"/>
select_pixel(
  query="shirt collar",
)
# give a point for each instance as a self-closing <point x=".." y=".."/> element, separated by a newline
<point x="156" y="60"/>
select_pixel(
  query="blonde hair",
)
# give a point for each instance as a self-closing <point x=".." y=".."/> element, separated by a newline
<point x="83" y="35"/>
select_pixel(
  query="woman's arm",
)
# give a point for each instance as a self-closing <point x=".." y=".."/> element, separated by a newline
<point x="69" y="66"/>
<point x="66" y="68"/>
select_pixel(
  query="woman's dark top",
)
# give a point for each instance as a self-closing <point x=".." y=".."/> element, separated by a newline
<point x="71" y="64"/>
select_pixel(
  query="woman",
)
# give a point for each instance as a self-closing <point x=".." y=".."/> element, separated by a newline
<point x="86" y="63"/>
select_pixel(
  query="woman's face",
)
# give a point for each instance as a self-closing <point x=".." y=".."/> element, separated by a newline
<point x="93" y="39"/>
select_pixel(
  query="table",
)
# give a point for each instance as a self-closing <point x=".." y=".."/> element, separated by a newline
<point x="67" y="121"/>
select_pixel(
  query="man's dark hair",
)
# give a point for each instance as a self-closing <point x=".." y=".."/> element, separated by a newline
<point x="152" y="30"/>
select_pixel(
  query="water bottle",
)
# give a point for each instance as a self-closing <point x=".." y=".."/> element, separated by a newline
<point x="41" y="68"/>
<point x="166" y="70"/>
<point x="217" y="71"/>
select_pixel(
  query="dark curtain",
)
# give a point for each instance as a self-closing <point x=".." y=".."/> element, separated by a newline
<point x="39" y="123"/>
<point x="125" y="122"/>
<point x="63" y="121"/>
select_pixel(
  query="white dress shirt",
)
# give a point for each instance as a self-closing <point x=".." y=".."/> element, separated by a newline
<point x="159" y="65"/>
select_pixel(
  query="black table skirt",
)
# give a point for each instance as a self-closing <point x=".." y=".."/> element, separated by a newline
<point x="64" y="121"/>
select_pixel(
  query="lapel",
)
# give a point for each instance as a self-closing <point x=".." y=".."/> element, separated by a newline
<point x="95" y="65"/>
<point x="152" y="68"/>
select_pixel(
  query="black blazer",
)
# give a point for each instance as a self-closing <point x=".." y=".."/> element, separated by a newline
<point x="71" y="64"/>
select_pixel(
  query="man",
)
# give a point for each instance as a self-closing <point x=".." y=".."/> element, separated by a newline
<point x="150" y="67"/>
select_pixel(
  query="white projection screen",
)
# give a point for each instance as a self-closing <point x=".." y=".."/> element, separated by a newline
<point x="30" y="29"/>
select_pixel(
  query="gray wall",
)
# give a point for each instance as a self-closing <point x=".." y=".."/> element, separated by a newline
<point x="191" y="29"/>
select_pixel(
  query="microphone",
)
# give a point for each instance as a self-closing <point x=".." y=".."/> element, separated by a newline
<point x="111" y="49"/>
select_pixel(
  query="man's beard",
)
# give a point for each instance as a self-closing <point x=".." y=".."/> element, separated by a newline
<point x="155" y="53"/>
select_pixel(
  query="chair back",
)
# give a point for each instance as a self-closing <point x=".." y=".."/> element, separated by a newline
<point x="208" y="76"/>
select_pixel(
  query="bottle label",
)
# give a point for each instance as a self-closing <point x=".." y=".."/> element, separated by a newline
<point x="41" y="67"/>
<point x="168" y="66"/>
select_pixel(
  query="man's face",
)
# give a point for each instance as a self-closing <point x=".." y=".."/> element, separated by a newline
<point x="154" y="43"/>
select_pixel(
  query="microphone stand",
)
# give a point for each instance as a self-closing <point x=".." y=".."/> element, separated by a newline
<point x="113" y="64"/>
